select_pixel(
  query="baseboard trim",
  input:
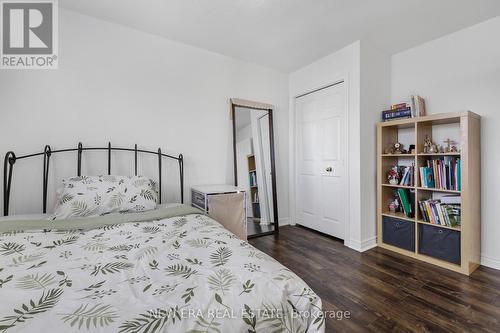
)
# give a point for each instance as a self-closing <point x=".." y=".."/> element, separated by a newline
<point x="284" y="221"/>
<point x="364" y="245"/>
<point x="490" y="262"/>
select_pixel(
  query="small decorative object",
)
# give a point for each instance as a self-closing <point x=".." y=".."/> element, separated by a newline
<point x="393" y="176"/>
<point x="434" y="149"/>
<point x="450" y="145"/>
<point x="389" y="149"/>
<point x="427" y="145"/>
<point x="411" y="149"/>
<point x="392" y="207"/>
<point x="398" y="148"/>
<point x="453" y="149"/>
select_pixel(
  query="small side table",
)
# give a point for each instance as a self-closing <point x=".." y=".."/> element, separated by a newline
<point x="224" y="203"/>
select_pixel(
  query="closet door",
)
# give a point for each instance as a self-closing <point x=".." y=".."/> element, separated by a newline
<point x="321" y="180"/>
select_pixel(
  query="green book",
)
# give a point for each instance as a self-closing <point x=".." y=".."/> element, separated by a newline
<point x="404" y="200"/>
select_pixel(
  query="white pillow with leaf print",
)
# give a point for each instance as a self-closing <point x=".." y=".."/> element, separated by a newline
<point x="98" y="195"/>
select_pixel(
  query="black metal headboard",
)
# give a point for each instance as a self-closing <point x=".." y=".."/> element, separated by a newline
<point x="11" y="159"/>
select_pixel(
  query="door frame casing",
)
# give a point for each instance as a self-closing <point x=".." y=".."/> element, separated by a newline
<point x="293" y="181"/>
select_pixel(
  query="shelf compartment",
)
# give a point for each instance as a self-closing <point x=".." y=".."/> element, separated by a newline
<point x="439" y="243"/>
<point x="423" y="159"/>
<point x="388" y="195"/>
<point x="438" y="132"/>
<point x="404" y="134"/>
<point x="399" y="233"/>
<point x="427" y="195"/>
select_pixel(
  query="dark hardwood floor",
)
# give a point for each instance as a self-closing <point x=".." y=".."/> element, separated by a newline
<point x="384" y="291"/>
<point x="254" y="227"/>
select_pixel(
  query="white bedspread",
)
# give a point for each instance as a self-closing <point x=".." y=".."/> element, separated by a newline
<point x="180" y="274"/>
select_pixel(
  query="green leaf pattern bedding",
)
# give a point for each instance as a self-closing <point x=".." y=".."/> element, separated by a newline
<point x="178" y="274"/>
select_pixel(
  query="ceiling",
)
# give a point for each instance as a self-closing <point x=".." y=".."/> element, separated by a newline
<point x="288" y="34"/>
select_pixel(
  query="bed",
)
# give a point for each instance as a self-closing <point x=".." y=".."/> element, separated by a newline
<point x="171" y="269"/>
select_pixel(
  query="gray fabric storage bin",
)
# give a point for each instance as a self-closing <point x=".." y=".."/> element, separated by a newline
<point x="440" y="243"/>
<point x="399" y="233"/>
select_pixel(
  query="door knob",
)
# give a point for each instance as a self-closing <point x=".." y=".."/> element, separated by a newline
<point x="329" y="169"/>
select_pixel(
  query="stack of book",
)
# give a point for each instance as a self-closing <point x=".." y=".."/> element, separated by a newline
<point x="417" y="105"/>
<point x="397" y="111"/>
<point x="416" y="108"/>
<point x="445" y="211"/>
<point x="442" y="174"/>
<point x="408" y="178"/>
<point x="406" y="199"/>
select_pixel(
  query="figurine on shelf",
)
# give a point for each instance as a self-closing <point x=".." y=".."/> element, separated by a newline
<point x="434" y="149"/>
<point x="411" y="149"/>
<point x="427" y="145"/>
<point x="394" y="205"/>
<point x="393" y="176"/>
<point x="451" y="148"/>
<point x="395" y="148"/>
<point x="389" y="149"/>
<point x="398" y="148"/>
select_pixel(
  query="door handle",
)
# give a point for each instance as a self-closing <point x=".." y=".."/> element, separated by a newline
<point x="329" y="169"/>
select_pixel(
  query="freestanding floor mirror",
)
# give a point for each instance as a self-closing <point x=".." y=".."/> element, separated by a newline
<point x="254" y="164"/>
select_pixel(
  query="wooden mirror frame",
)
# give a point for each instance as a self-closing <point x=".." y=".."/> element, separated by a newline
<point x="236" y="102"/>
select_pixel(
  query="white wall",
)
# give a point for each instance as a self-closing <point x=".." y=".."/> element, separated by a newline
<point x="375" y="97"/>
<point x="342" y="65"/>
<point x="461" y="72"/>
<point x="366" y="71"/>
<point x="121" y="85"/>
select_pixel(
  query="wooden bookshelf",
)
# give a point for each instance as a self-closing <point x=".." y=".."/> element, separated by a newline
<point x="468" y="235"/>
<point x="254" y="189"/>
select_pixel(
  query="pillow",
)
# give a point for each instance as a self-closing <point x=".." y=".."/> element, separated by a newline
<point x="99" y="195"/>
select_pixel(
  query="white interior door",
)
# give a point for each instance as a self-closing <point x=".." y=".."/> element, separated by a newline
<point x="321" y="179"/>
<point x="266" y="159"/>
<point x="261" y="150"/>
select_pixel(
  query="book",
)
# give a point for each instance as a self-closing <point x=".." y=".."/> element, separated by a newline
<point x="440" y="213"/>
<point x="442" y="173"/>
<point x="412" y="105"/>
<point x="412" y="202"/>
<point x="407" y="178"/>
<point x="405" y="202"/>
<point x="396" y="114"/>
<point x="421" y="107"/>
<point x="400" y="106"/>
<point x="417" y="105"/>
<point x="428" y="177"/>
<point x="451" y="199"/>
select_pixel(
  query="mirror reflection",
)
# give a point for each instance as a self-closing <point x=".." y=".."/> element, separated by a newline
<point x="253" y="159"/>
